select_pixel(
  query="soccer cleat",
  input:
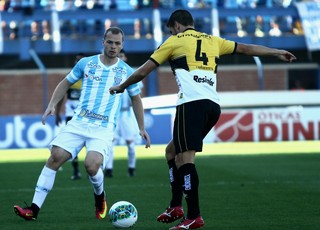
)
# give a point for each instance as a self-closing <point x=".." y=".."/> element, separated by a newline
<point x="25" y="213"/>
<point x="171" y="214"/>
<point x="189" y="224"/>
<point x="101" y="211"/>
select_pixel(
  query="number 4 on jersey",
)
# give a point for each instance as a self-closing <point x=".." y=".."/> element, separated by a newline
<point x="201" y="56"/>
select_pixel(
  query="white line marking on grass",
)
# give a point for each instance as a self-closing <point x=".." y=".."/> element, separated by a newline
<point x="157" y="185"/>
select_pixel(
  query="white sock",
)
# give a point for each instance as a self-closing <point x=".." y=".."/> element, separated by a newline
<point x="44" y="185"/>
<point x="97" y="182"/>
<point x="109" y="164"/>
<point x="132" y="155"/>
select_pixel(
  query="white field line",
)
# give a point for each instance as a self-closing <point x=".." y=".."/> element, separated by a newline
<point x="160" y="185"/>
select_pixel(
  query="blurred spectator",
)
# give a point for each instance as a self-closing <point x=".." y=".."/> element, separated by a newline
<point x="4" y="5"/>
<point x="275" y="30"/>
<point x="130" y="26"/>
<point x="242" y="26"/>
<point x="45" y="25"/>
<point x="13" y="30"/>
<point x="124" y="23"/>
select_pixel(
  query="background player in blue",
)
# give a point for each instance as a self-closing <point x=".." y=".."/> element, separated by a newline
<point x="71" y="102"/>
<point x="127" y="130"/>
<point x="93" y="123"/>
<point x="193" y="57"/>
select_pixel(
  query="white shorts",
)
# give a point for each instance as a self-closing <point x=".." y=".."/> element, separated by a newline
<point x="76" y="135"/>
<point x="127" y="127"/>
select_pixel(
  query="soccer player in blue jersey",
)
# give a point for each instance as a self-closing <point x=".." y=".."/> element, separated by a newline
<point x="93" y="123"/>
<point x="127" y="129"/>
<point x="193" y="58"/>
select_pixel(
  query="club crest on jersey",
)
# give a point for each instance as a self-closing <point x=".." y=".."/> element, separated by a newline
<point x="117" y="80"/>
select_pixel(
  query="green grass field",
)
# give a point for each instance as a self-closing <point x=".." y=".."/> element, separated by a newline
<point x="243" y="186"/>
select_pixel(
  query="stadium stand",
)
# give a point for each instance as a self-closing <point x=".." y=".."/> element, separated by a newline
<point x="81" y="22"/>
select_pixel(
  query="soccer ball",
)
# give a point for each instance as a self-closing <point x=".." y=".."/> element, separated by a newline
<point x="123" y="214"/>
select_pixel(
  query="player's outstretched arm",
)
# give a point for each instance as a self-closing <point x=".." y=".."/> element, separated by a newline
<point x="57" y="96"/>
<point x="137" y="76"/>
<point x="58" y="109"/>
<point x="139" y="114"/>
<point x="257" y="50"/>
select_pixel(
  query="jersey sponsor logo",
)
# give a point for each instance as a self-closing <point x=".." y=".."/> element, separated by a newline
<point x="90" y="114"/>
<point x="93" y="78"/>
<point x="94" y="65"/>
<point x="91" y="71"/>
<point x="203" y="35"/>
<point x="205" y="67"/>
<point x="198" y="79"/>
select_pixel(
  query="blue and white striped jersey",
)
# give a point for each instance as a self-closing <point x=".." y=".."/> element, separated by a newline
<point x="96" y="104"/>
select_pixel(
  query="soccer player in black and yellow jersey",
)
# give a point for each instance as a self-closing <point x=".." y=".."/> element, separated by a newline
<point x="193" y="58"/>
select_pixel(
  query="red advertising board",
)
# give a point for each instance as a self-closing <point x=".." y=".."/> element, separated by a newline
<point x="274" y="124"/>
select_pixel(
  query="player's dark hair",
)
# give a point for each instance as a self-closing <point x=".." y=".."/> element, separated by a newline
<point x="181" y="16"/>
<point x="113" y="30"/>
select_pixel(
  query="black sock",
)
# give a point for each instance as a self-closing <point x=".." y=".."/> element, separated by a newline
<point x="176" y="186"/>
<point x="190" y="186"/>
<point x="35" y="209"/>
<point x="75" y="165"/>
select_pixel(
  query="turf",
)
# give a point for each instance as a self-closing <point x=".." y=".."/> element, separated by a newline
<point x="265" y="189"/>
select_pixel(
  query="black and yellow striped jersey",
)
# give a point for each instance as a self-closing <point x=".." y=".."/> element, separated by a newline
<point x="193" y="57"/>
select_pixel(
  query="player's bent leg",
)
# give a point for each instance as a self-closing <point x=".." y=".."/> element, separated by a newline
<point x="44" y="184"/>
<point x="93" y="165"/>
<point x="175" y="210"/>
<point x="57" y="158"/>
<point x="93" y="162"/>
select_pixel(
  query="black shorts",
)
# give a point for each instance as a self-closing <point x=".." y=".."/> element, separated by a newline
<point x="192" y="123"/>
